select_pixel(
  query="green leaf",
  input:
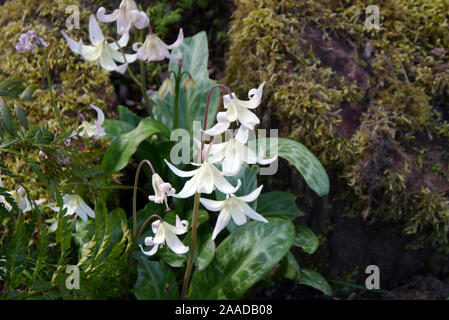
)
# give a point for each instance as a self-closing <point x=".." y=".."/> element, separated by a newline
<point x="278" y="204"/>
<point x="21" y="116"/>
<point x="192" y="104"/>
<point x="315" y="280"/>
<point x="123" y="146"/>
<point x="155" y="281"/>
<point x="308" y="165"/>
<point x="27" y="94"/>
<point x="128" y="116"/>
<point x="6" y="117"/>
<point x="242" y="259"/>
<point x="8" y="84"/>
<point x="16" y="254"/>
<point x="305" y="238"/>
<point x="114" y="128"/>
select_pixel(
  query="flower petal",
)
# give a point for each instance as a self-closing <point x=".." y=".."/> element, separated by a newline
<point x="219" y="128"/>
<point x="224" y="186"/>
<point x="237" y="212"/>
<point x="73" y="45"/>
<point x="100" y="114"/>
<point x="251" y="196"/>
<point x="175" y="244"/>
<point x="87" y="210"/>
<point x="95" y="34"/>
<point x="212" y="205"/>
<point x="223" y="219"/>
<point x="103" y="17"/>
<point x="151" y="252"/>
<point x="180" y="173"/>
<point x="189" y="189"/>
<point x="139" y="19"/>
<point x="252" y="214"/>
<point x="178" y="41"/>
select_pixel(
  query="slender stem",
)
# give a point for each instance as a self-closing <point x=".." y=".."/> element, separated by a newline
<point x="136" y="180"/>
<point x="185" y="285"/>
<point x="196" y="202"/>
<point x="145" y="223"/>
<point x="53" y="101"/>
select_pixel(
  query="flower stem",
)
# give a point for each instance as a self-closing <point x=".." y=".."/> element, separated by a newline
<point x="145" y="223"/>
<point x="53" y="101"/>
<point x="196" y="202"/>
<point x="185" y="285"/>
<point x="136" y="180"/>
<point x="176" y="107"/>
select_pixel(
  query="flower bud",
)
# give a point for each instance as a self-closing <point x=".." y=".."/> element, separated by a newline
<point x="188" y="83"/>
<point x="166" y="88"/>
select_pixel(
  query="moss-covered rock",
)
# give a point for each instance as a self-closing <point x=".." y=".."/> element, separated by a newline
<point x="371" y="104"/>
<point x="76" y="83"/>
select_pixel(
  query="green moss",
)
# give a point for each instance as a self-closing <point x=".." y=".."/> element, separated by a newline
<point x="370" y="103"/>
<point x="77" y="83"/>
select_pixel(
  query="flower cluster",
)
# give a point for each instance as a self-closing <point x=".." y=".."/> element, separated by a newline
<point x="108" y="54"/>
<point x="231" y="154"/>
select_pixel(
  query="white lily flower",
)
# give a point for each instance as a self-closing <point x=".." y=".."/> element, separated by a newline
<point x="100" y="50"/>
<point x="233" y="207"/>
<point x="204" y="180"/>
<point x="237" y="109"/>
<point x="154" y="49"/>
<point x="95" y="130"/>
<point x="233" y="153"/>
<point x="126" y="15"/>
<point x="166" y="233"/>
<point x="20" y="199"/>
<point x="161" y="190"/>
<point x="75" y="204"/>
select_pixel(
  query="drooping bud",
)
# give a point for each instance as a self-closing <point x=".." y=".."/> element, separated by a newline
<point x="166" y="88"/>
<point x="188" y="83"/>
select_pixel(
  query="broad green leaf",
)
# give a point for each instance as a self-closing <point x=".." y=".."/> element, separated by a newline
<point x="292" y="268"/>
<point x="114" y="128"/>
<point x="278" y="204"/>
<point x="6" y="117"/>
<point x="128" y="116"/>
<point x="155" y="281"/>
<point x="192" y="104"/>
<point x="203" y="216"/>
<point x="123" y="146"/>
<point x="315" y="280"/>
<point x="242" y="259"/>
<point x="308" y="165"/>
<point x="205" y="247"/>
<point x="305" y="238"/>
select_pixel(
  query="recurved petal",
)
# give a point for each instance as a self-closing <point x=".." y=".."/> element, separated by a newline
<point x="252" y="214"/>
<point x="151" y="252"/>
<point x="223" y="219"/>
<point x="73" y="45"/>
<point x="219" y="128"/>
<point x="139" y="19"/>
<point x="175" y="244"/>
<point x="180" y="173"/>
<point x="87" y="210"/>
<point x="100" y="114"/>
<point x="178" y="41"/>
<point x="212" y="205"/>
<point x="95" y="34"/>
<point x="189" y="189"/>
<point x="103" y="17"/>
<point x="224" y="186"/>
<point x="251" y="196"/>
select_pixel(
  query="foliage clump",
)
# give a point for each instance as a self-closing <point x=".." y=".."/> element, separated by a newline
<point x="371" y="103"/>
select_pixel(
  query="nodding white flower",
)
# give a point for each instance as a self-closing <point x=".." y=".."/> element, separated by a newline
<point x="75" y="204"/>
<point x="161" y="190"/>
<point x="20" y="199"/>
<point x="237" y="109"/>
<point x="126" y="15"/>
<point x="233" y="153"/>
<point x="28" y="41"/>
<point x="95" y="130"/>
<point x="166" y="233"/>
<point x="100" y="50"/>
<point x="233" y="207"/>
<point x="166" y="88"/>
<point x="204" y="180"/>
<point x="154" y="49"/>
<point x="188" y="83"/>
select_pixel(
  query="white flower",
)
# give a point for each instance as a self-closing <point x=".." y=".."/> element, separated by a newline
<point x="165" y="232"/>
<point x="28" y="41"/>
<point x="20" y="199"/>
<point x="95" y="130"/>
<point x="238" y="110"/>
<point x="126" y="16"/>
<point x="100" y="50"/>
<point x="161" y="190"/>
<point x="234" y="207"/>
<point x="204" y="180"/>
<point x="166" y="88"/>
<point x="75" y="204"/>
<point x="234" y="153"/>
<point x="154" y="49"/>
